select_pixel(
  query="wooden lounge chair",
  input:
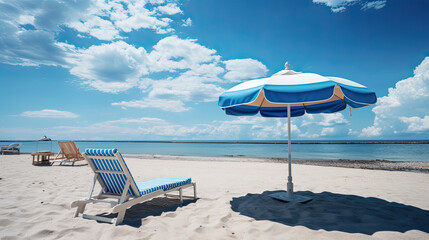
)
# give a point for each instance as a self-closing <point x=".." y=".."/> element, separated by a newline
<point x="112" y="173"/>
<point x="11" y="149"/>
<point x="69" y="153"/>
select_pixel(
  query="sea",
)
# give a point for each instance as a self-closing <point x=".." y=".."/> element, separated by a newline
<point x="392" y="150"/>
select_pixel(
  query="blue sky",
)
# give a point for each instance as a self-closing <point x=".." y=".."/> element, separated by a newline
<point x="152" y="70"/>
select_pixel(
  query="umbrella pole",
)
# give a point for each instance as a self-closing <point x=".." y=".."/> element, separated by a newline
<point x="289" y="178"/>
<point x="288" y="196"/>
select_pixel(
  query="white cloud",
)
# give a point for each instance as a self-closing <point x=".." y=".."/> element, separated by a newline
<point x="116" y="16"/>
<point x="175" y="73"/>
<point x="113" y="67"/>
<point x="242" y="128"/>
<point x="157" y="1"/>
<point x="28" y="31"/>
<point x="143" y="120"/>
<point x="335" y="3"/>
<point x="144" y="20"/>
<point x="324" y="119"/>
<point x="132" y="128"/>
<point x="124" y="128"/>
<point x="253" y="127"/>
<point x="97" y="131"/>
<point x="172" y="93"/>
<point x="169" y="9"/>
<point x="341" y="5"/>
<point x="371" y="131"/>
<point x="338" y="9"/>
<point x="324" y="125"/>
<point x="197" y="73"/>
<point x="172" y="53"/>
<point x="309" y="135"/>
<point x="327" y="131"/>
<point x="185" y="89"/>
<point x="239" y="69"/>
<point x="135" y="15"/>
<point x="118" y="66"/>
<point x="26" y="19"/>
<point x="257" y="127"/>
<point x="404" y="109"/>
<point x="97" y="27"/>
<point x="353" y="132"/>
<point x="375" y="5"/>
<point x="45" y="15"/>
<point x="192" y="85"/>
<point x="29" y="48"/>
<point x="416" y="124"/>
<point x="332" y="119"/>
<point x="49" y="113"/>
<point x="187" y="22"/>
<point x="166" y="105"/>
<point x="174" y="130"/>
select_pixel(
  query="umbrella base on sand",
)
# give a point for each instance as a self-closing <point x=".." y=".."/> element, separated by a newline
<point x="285" y="197"/>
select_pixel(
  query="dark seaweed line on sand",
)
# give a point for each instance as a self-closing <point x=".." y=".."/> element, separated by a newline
<point x="378" y="164"/>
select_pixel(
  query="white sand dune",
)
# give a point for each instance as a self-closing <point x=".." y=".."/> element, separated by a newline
<point x="233" y="202"/>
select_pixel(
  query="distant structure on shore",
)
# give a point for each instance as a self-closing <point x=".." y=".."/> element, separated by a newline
<point x="44" y="138"/>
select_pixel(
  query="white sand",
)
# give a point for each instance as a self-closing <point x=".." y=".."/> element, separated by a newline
<point x="349" y="203"/>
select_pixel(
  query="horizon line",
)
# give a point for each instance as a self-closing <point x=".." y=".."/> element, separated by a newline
<point x="391" y="141"/>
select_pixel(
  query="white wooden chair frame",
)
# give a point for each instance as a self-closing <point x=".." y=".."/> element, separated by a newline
<point x="123" y="201"/>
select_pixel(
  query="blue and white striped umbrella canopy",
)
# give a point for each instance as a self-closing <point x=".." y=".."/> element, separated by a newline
<point x="305" y="92"/>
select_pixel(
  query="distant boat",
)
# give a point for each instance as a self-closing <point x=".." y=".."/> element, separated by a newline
<point x="44" y="138"/>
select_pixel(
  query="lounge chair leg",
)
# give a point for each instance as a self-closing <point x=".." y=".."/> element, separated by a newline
<point x="124" y="195"/>
<point x="180" y="196"/>
<point x="120" y="218"/>
<point x="80" y="209"/>
<point x="195" y="190"/>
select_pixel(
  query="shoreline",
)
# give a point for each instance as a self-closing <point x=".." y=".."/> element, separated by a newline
<point x="377" y="164"/>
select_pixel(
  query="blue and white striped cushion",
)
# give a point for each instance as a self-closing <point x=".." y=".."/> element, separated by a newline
<point x="101" y="152"/>
<point x="114" y="182"/>
<point x="164" y="183"/>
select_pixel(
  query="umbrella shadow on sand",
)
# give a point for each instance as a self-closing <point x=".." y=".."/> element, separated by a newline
<point x="334" y="212"/>
<point x="155" y="207"/>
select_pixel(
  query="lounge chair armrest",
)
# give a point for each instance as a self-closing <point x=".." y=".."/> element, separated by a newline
<point x="134" y="201"/>
<point x="79" y="202"/>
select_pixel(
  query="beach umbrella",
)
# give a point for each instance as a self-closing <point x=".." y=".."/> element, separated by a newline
<point x="292" y="94"/>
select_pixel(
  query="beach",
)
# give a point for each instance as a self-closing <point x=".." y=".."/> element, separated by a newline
<point x="349" y="203"/>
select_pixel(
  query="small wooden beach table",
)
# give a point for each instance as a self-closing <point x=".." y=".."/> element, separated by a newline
<point x="41" y="157"/>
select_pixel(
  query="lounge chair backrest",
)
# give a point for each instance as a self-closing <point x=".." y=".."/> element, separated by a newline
<point x="13" y="146"/>
<point x="112" y="169"/>
<point x="69" y="149"/>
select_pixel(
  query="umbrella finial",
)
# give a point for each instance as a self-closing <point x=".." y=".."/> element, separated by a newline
<point x="287" y="66"/>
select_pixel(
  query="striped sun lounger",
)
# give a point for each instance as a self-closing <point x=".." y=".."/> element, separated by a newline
<point x="112" y="173"/>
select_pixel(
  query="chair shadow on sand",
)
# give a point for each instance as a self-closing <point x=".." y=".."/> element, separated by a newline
<point x="154" y="207"/>
<point x="335" y="212"/>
